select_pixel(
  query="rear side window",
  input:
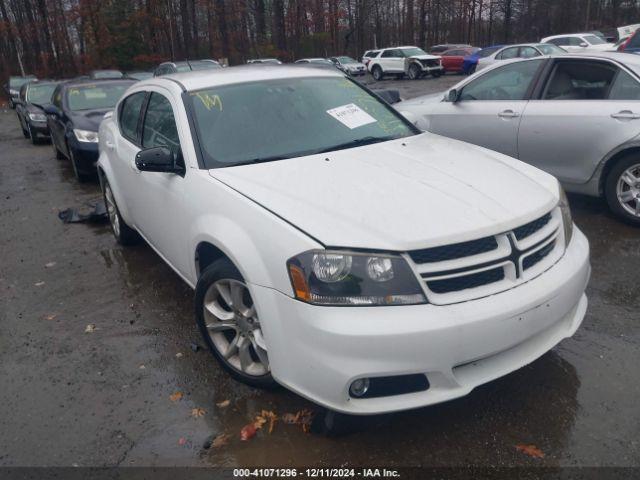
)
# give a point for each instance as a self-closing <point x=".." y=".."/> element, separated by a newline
<point x="387" y="54"/>
<point x="625" y="87"/>
<point x="508" y="53"/>
<point x="580" y="81"/>
<point x="130" y="115"/>
<point x="529" y="52"/>
<point x="159" y="124"/>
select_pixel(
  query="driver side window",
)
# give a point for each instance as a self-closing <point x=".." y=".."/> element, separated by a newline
<point x="510" y="82"/>
<point x="160" y="128"/>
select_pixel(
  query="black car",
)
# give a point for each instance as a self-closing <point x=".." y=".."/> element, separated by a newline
<point x="74" y="116"/>
<point x="12" y="87"/>
<point x="34" y="98"/>
<point x="186" y="66"/>
<point x="105" y="74"/>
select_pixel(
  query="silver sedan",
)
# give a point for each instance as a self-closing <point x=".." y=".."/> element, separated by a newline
<point x="574" y="116"/>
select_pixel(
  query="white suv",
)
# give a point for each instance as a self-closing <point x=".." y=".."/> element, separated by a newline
<point x="333" y="247"/>
<point x="400" y="61"/>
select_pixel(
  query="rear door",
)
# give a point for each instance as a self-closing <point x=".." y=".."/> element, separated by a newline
<point x="584" y="110"/>
<point x="392" y="61"/>
<point x="489" y="108"/>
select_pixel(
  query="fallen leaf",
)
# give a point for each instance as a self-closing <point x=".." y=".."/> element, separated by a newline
<point x="530" y="450"/>
<point x="223" y="404"/>
<point x="197" y="412"/>
<point x="90" y="328"/>
<point x="176" y="396"/>
<point x="221" y="440"/>
<point x="50" y="264"/>
<point x="39" y="284"/>
<point x="182" y="441"/>
<point x="264" y="417"/>
<point x="302" y="417"/>
<point x="50" y="317"/>
<point x="178" y="355"/>
<point x="248" y="432"/>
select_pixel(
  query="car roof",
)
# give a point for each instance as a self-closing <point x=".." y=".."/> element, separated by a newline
<point x="570" y="34"/>
<point x="240" y="74"/>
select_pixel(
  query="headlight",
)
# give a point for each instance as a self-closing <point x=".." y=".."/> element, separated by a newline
<point x="37" y="117"/>
<point x="86" y="136"/>
<point x="334" y="277"/>
<point x="567" y="221"/>
<point x="14" y="92"/>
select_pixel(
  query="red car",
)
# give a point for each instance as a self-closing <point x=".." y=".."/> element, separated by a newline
<point x="452" y="59"/>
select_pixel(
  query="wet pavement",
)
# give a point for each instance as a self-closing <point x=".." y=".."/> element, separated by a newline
<point x="102" y="398"/>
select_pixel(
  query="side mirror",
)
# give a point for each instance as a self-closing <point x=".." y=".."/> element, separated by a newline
<point x="453" y="96"/>
<point x="584" y="44"/>
<point x="159" y="159"/>
<point x="52" y="110"/>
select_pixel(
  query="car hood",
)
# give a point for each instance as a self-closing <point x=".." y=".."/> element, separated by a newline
<point x="35" y="108"/>
<point x="89" y="119"/>
<point x="353" y="66"/>
<point x="399" y="195"/>
<point x="426" y="57"/>
<point x="603" y="47"/>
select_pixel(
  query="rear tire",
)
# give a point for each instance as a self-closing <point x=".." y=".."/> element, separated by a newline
<point x="230" y="326"/>
<point x="377" y="73"/>
<point x="622" y="189"/>
<point x="125" y="235"/>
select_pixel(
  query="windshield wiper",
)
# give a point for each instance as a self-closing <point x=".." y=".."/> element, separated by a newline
<point x="359" y="142"/>
<point x="260" y="160"/>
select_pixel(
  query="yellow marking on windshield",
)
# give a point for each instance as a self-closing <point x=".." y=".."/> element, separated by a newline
<point x="210" y="101"/>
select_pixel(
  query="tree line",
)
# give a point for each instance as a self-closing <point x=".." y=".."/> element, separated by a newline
<point x="61" y="38"/>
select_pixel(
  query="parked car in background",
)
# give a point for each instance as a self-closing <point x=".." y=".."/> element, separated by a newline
<point x="141" y="75"/>
<point x="398" y="61"/>
<point x="631" y="44"/>
<point x="470" y="62"/>
<point x="34" y="98"/>
<point x="524" y="50"/>
<point x="105" y="74"/>
<point x="12" y="87"/>
<point x="579" y="42"/>
<point x="185" y="66"/>
<point x="316" y="61"/>
<point x="627" y="30"/>
<point x="438" y="49"/>
<point x="273" y="61"/>
<point x="73" y="118"/>
<point x="574" y="116"/>
<point x="453" y="60"/>
<point x="618" y="46"/>
<point x="335" y="249"/>
<point x="349" y="66"/>
<point x="368" y="55"/>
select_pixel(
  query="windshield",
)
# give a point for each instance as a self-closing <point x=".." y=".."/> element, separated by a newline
<point x="201" y="65"/>
<point x="96" y="96"/>
<point x="346" y="60"/>
<point x="550" y="49"/>
<point x="17" y="82"/>
<point x="593" y="40"/>
<point x="275" y="119"/>
<point x="485" y="52"/>
<point x="412" y="52"/>
<point x="40" y="94"/>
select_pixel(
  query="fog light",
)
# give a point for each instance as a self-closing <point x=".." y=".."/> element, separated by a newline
<point x="359" y="387"/>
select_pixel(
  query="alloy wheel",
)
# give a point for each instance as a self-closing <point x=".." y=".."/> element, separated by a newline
<point x="234" y="328"/>
<point x="628" y="190"/>
<point x="112" y="211"/>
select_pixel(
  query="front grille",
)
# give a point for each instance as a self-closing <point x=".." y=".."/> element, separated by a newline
<point x="538" y="256"/>
<point x="453" y="251"/>
<point x="430" y="63"/>
<point x="467" y="281"/>
<point x="532" y="227"/>
<point x="490" y="264"/>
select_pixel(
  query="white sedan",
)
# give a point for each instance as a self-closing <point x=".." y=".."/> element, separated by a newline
<point x="525" y="50"/>
<point x="335" y="249"/>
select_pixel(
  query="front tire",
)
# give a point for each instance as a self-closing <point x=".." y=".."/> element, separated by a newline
<point x="125" y="235"/>
<point x="230" y="325"/>
<point x="414" y="71"/>
<point x="622" y="189"/>
<point x="32" y="136"/>
<point x="377" y="73"/>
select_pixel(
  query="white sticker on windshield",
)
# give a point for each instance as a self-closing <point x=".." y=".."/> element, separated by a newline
<point x="351" y="116"/>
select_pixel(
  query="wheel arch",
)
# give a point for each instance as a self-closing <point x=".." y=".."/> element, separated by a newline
<point x="612" y="159"/>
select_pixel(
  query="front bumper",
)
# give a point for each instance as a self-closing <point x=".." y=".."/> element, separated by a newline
<point x="39" y="128"/>
<point x="86" y="155"/>
<point x="438" y="68"/>
<point x="318" y="351"/>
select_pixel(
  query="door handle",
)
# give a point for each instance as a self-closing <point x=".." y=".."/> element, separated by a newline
<point x="626" y="115"/>
<point x="508" y="114"/>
